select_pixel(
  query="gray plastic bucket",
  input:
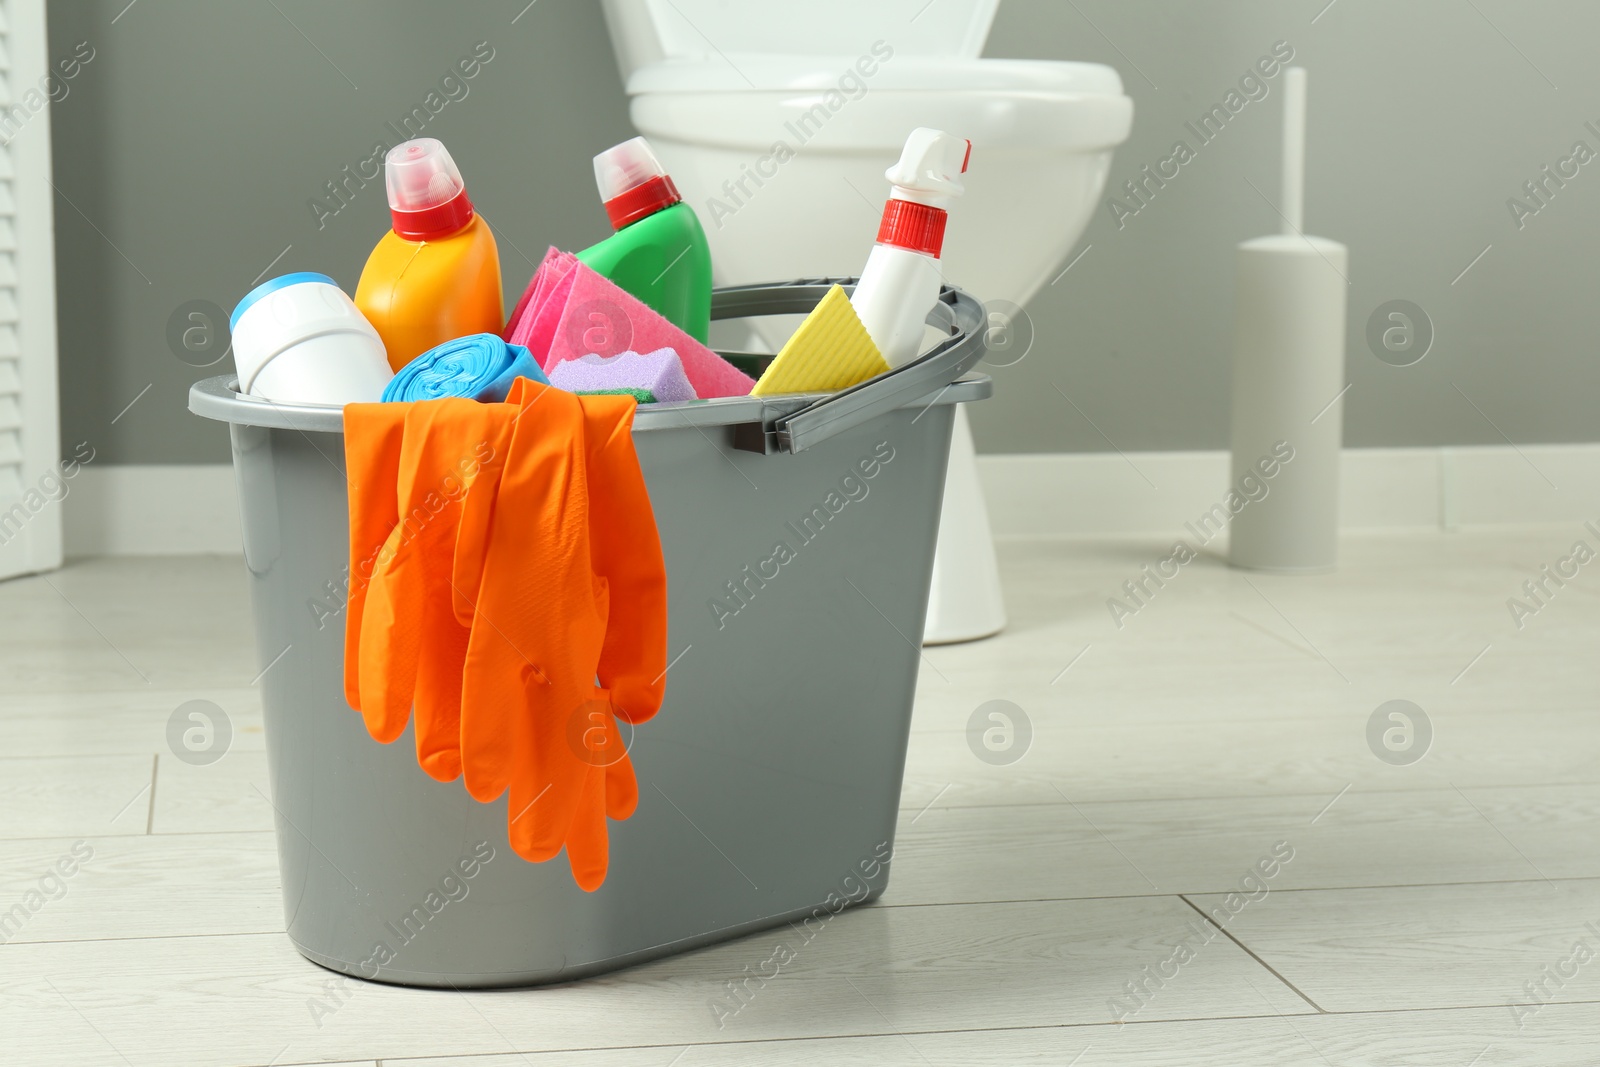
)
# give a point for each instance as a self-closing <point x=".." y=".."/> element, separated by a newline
<point x="770" y="779"/>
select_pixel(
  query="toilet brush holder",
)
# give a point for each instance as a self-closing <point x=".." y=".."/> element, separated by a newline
<point x="1288" y="380"/>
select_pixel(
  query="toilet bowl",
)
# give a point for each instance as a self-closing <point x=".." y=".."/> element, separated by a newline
<point x="777" y="121"/>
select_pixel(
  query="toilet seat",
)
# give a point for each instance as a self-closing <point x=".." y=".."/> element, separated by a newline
<point x="1030" y="104"/>
<point x="760" y="72"/>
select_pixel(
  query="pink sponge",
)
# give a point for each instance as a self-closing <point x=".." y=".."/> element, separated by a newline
<point x="659" y="372"/>
<point x="570" y="311"/>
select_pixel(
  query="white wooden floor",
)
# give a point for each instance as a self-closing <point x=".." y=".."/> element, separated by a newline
<point x="1228" y="718"/>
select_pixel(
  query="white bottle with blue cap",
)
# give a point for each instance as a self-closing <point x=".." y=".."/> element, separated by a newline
<point x="298" y="339"/>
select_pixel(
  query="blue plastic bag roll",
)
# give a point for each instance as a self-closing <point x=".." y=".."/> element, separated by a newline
<point x="477" y="367"/>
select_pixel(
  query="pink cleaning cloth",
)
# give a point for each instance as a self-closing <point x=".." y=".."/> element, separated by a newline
<point x="552" y="269"/>
<point x="540" y="323"/>
<point x="660" y="373"/>
<point x="576" y="313"/>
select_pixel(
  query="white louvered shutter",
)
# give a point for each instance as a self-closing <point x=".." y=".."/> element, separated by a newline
<point x="30" y="517"/>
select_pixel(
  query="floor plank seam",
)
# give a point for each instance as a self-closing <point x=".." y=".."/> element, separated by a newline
<point x="150" y="817"/>
<point x="143" y="937"/>
<point x="1223" y="930"/>
<point x="1432" y="885"/>
<point x="393" y="1061"/>
<point x="1366" y="790"/>
<point x="131" y="836"/>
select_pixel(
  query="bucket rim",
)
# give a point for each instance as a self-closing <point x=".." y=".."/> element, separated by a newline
<point x="788" y="423"/>
<point x="218" y="398"/>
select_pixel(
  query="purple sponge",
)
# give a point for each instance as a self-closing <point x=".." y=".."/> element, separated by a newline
<point x="660" y="372"/>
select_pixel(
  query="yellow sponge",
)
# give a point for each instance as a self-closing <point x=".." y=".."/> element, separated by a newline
<point x="831" y="350"/>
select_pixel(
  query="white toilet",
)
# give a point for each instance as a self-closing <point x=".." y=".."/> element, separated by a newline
<point x="777" y="120"/>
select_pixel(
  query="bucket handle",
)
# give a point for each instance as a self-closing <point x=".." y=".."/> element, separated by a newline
<point x="956" y="313"/>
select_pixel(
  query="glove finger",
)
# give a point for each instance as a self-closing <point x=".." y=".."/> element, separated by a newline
<point x="388" y="648"/>
<point x="622" y="787"/>
<point x="522" y="814"/>
<point x="439" y="699"/>
<point x="587" y="846"/>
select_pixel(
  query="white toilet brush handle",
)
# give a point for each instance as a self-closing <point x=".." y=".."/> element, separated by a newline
<point x="1294" y="150"/>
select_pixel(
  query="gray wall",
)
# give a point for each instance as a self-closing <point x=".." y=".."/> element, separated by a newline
<point x="1424" y="119"/>
<point x="195" y="138"/>
<point x="200" y="130"/>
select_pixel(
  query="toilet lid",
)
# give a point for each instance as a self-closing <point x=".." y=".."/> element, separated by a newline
<point x="743" y="72"/>
<point x="688" y="29"/>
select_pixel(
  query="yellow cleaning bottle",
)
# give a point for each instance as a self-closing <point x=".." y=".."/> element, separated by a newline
<point x="436" y="275"/>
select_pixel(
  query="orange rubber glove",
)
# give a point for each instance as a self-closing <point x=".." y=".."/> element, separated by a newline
<point x="412" y="645"/>
<point x="626" y="552"/>
<point x="373" y="433"/>
<point x="490" y="607"/>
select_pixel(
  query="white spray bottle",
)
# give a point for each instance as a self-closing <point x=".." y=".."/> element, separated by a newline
<point x="901" y="280"/>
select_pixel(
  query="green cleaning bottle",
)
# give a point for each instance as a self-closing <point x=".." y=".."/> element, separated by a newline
<point x="659" y="252"/>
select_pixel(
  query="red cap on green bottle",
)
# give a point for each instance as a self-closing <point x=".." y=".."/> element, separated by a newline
<point x="632" y="182"/>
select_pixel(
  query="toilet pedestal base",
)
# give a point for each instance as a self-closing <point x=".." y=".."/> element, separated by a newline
<point x="965" y="602"/>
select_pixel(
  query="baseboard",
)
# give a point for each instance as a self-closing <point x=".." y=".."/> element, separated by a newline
<point x="139" y="510"/>
<point x="1108" y="494"/>
<point x="183" y="510"/>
